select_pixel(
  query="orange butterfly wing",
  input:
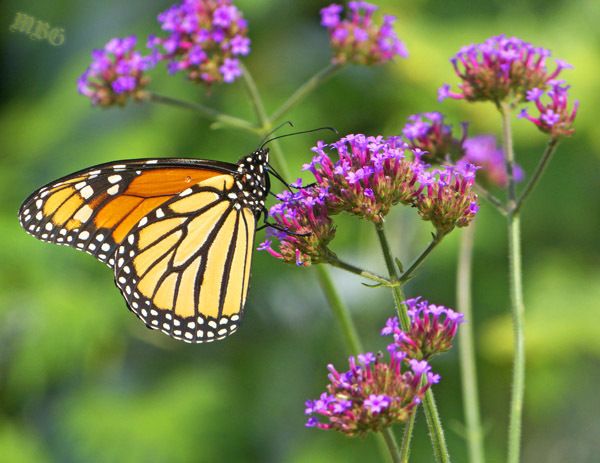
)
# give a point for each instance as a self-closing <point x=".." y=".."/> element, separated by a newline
<point x="94" y="210"/>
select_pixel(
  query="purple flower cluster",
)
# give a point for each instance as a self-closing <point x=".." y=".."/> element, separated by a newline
<point x="116" y="73"/>
<point x="428" y="132"/>
<point x="357" y="39"/>
<point x="482" y="151"/>
<point x="445" y="196"/>
<point x="501" y="68"/>
<point x="370" y="175"/>
<point x="432" y="330"/>
<point x="304" y="215"/>
<point x="206" y="38"/>
<point x="372" y="395"/>
<point x="554" y="116"/>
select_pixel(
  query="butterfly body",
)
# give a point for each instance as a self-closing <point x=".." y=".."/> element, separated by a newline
<point x="178" y="234"/>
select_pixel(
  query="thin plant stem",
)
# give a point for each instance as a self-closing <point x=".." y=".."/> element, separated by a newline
<point x="516" y="295"/>
<point x="434" y="423"/>
<point x="264" y="121"/>
<point x="466" y="348"/>
<point x="537" y="174"/>
<point x="305" y="89"/>
<point x="489" y="197"/>
<point x="436" y="431"/>
<point x="420" y="258"/>
<point x="393" y="272"/>
<point x="255" y="99"/>
<point x="339" y="309"/>
<point x="392" y="445"/>
<point x="204" y="111"/>
<point x="407" y="437"/>
<point x="336" y="262"/>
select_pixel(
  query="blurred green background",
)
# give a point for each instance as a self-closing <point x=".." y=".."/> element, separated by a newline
<point x="82" y="380"/>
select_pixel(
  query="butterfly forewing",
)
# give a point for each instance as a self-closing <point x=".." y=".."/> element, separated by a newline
<point x="93" y="210"/>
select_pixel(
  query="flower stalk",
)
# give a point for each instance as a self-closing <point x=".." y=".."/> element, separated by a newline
<point x="466" y="348"/>
<point x="539" y="171"/>
<point x="306" y="89"/>
<point x="434" y="423"/>
<point x="204" y="111"/>
<point x="516" y="294"/>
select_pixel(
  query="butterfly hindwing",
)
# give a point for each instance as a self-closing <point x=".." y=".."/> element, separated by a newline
<point x="94" y="209"/>
<point x="184" y="269"/>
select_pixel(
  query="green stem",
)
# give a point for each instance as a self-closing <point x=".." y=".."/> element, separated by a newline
<point x="466" y="345"/>
<point x="516" y="295"/>
<point x="340" y="311"/>
<point x="336" y="262"/>
<point x="407" y="437"/>
<point x="205" y="111"/>
<point x="265" y="122"/>
<point x="537" y="174"/>
<point x="481" y="191"/>
<point x="434" y="423"/>
<point x="392" y="445"/>
<point x="436" y="431"/>
<point x="305" y="89"/>
<point x="421" y="258"/>
<point x="255" y="99"/>
<point x="393" y="272"/>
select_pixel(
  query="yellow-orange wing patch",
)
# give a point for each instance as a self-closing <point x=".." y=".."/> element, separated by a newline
<point x="185" y="270"/>
<point x="93" y="210"/>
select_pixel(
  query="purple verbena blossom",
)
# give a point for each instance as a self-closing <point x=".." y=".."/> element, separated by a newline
<point x="554" y="116"/>
<point x="357" y="38"/>
<point x="370" y="396"/>
<point x="116" y="73"/>
<point x="483" y="152"/>
<point x="432" y="330"/>
<point x="501" y="69"/>
<point x="206" y="37"/>
<point x="303" y="214"/>
<point x="370" y="175"/>
<point x="428" y="133"/>
<point x="445" y="197"/>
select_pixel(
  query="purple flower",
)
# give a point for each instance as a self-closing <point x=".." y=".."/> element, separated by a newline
<point x="377" y="403"/>
<point x="432" y="330"/>
<point x="501" y="68"/>
<point x="230" y="70"/>
<point x="445" y="197"/>
<point x="205" y="37"/>
<point x="304" y="215"/>
<point x="482" y="151"/>
<point x="370" y="396"/>
<point x="554" y="116"/>
<point x="357" y="39"/>
<point x="116" y="73"/>
<point x="428" y="132"/>
<point x="369" y="176"/>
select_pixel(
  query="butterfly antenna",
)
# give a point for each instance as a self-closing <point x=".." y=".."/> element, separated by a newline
<point x="298" y="133"/>
<point x="271" y="132"/>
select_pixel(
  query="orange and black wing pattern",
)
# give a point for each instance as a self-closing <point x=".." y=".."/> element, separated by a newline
<point x="94" y="209"/>
<point x="178" y="234"/>
<point x="184" y="269"/>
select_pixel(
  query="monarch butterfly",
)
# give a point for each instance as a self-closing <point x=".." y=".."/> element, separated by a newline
<point x="178" y="234"/>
